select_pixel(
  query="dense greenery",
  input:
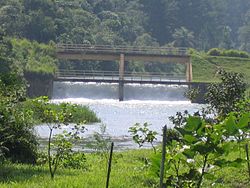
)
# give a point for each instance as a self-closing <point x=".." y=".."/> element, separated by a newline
<point x="188" y="23"/>
<point x="18" y="141"/>
<point x="34" y="56"/>
<point x="201" y="25"/>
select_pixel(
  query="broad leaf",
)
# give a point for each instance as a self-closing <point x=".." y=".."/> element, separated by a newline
<point x="193" y="123"/>
<point x="230" y="125"/>
<point x="244" y="121"/>
<point x="190" y="139"/>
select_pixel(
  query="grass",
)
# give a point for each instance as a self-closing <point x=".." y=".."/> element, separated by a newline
<point x="128" y="171"/>
<point x="205" y="67"/>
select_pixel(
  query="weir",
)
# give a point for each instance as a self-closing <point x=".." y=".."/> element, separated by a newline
<point x="123" y="54"/>
<point x="108" y="92"/>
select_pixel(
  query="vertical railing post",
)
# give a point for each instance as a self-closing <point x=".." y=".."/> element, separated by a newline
<point x="109" y="164"/>
<point x="164" y="143"/>
<point x="189" y="71"/>
<point x="121" y="77"/>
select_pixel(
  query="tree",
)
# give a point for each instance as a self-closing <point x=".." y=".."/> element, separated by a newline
<point x="227" y="42"/>
<point x="160" y="18"/>
<point x="244" y="33"/>
<point x="224" y="96"/>
<point x="183" y="38"/>
<point x="145" y="40"/>
<point x="55" y="116"/>
<point x="16" y="130"/>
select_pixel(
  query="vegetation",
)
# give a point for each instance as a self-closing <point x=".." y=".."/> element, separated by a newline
<point x="18" y="143"/>
<point x="223" y="23"/>
<point x="227" y="53"/>
<point x="201" y="148"/>
<point x="33" y="56"/>
<point x="206" y="67"/>
<point x="129" y="169"/>
<point x="201" y="143"/>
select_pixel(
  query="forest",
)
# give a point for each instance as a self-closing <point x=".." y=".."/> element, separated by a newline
<point x="202" y="24"/>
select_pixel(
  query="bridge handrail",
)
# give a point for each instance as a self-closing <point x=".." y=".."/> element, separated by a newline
<point x="121" y="49"/>
<point x="79" y="72"/>
<point x="114" y="75"/>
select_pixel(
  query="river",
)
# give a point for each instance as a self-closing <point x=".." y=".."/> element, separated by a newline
<point x="143" y="103"/>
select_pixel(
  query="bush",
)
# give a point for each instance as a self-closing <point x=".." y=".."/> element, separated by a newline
<point x="16" y="133"/>
<point x="214" y="52"/>
<point x="228" y="53"/>
<point x="235" y="53"/>
<point x="75" y="160"/>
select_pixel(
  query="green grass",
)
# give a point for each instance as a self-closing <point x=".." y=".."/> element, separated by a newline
<point x="205" y="67"/>
<point x="128" y="171"/>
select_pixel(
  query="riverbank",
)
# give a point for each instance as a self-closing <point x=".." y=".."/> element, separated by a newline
<point x="205" y="67"/>
<point x="130" y="169"/>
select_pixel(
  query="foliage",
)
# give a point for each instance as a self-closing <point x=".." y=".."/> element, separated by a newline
<point x="183" y="38"/>
<point x="74" y="160"/>
<point x="224" y="96"/>
<point x="119" y="22"/>
<point x="101" y="142"/>
<point x="215" y="52"/>
<point x="235" y="53"/>
<point x="228" y="53"/>
<point x="34" y="57"/>
<point x="78" y="113"/>
<point x="192" y="94"/>
<point x="55" y="117"/>
<point x="17" y="141"/>
<point x="203" y="143"/>
<point x="142" y="134"/>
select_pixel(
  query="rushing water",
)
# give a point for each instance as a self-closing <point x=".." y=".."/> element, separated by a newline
<point x="143" y="103"/>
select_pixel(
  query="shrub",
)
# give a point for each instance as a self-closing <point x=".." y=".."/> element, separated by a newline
<point x="16" y="134"/>
<point x="235" y="53"/>
<point x="224" y="96"/>
<point x="215" y="52"/>
<point x="228" y="53"/>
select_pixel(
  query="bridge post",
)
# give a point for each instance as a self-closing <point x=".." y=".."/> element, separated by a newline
<point x="121" y="77"/>
<point x="189" y="71"/>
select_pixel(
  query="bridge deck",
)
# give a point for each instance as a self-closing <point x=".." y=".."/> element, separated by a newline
<point x="112" y="53"/>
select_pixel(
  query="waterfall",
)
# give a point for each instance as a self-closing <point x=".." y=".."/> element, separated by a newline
<point x="100" y="91"/>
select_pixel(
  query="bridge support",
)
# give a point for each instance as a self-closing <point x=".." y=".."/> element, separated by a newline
<point x="121" y="77"/>
<point x="189" y="71"/>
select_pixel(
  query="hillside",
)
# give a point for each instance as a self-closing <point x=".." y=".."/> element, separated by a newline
<point x="205" y="67"/>
<point x="202" y="24"/>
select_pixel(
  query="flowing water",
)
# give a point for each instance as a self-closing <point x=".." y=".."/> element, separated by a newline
<point x="142" y="103"/>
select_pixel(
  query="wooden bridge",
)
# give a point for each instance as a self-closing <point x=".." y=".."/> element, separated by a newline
<point x="123" y="54"/>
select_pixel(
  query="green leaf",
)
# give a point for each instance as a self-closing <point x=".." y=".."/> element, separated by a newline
<point x="190" y="139"/>
<point x="193" y="123"/>
<point x="244" y="121"/>
<point x="189" y="153"/>
<point x="225" y="163"/>
<point x="230" y="125"/>
<point x="203" y="148"/>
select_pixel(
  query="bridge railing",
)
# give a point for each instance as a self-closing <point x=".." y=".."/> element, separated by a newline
<point x="114" y="75"/>
<point x="121" y="49"/>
